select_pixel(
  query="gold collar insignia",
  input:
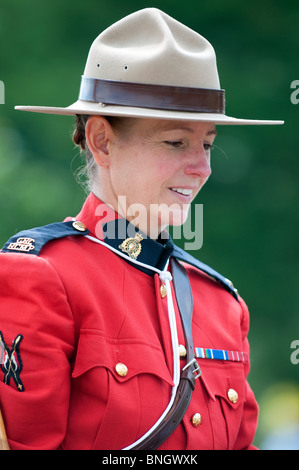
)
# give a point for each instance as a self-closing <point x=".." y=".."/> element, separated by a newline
<point x="132" y="246"/>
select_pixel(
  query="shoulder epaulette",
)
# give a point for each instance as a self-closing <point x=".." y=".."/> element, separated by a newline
<point x="32" y="240"/>
<point x="226" y="283"/>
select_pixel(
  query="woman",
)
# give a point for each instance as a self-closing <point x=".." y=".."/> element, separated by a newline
<point x="97" y="346"/>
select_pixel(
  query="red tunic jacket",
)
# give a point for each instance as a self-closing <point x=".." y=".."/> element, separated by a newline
<point x="86" y="350"/>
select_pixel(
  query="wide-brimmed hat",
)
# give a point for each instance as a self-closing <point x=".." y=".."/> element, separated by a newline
<point x="150" y="65"/>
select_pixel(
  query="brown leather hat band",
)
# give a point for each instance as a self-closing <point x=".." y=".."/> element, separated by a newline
<point x="172" y="98"/>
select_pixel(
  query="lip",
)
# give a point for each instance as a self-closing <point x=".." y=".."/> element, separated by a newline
<point x="184" y="197"/>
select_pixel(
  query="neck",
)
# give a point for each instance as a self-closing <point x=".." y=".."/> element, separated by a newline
<point x="137" y="214"/>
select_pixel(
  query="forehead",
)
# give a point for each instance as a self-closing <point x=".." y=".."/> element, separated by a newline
<point x="191" y="127"/>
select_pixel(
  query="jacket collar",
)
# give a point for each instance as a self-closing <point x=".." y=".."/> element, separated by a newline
<point x="107" y="225"/>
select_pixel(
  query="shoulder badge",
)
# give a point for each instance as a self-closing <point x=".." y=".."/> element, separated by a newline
<point x="10" y="362"/>
<point x="32" y="241"/>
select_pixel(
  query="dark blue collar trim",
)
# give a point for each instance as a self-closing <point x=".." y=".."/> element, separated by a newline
<point x="154" y="253"/>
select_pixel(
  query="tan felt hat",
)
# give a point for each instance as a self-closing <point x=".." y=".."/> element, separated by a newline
<point x="150" y="65"/>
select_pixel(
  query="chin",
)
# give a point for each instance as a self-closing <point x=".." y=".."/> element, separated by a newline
<point x="177" y="217"/>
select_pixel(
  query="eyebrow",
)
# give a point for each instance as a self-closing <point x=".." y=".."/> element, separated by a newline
<point x="187" y="129"/>
<point x="212" y="132"/>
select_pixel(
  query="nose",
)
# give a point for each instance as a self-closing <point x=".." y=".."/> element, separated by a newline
<point x="198" y="164"/>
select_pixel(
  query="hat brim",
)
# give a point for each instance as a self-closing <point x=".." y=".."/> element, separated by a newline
<point x="86" y="107"/>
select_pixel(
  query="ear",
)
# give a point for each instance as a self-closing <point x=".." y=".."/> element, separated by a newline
<point x="98" y="134"/>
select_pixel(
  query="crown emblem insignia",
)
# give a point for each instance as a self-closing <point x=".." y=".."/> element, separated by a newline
<point x="132" y="246"/>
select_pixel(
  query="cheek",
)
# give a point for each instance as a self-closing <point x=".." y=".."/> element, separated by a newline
<point x="167" y="168"/>
<point x="141" y="172"/>
<point x="152" y="175"/>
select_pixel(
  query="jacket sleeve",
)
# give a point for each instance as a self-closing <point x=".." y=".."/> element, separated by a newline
<point x="250" y="415"/>
<point x="36" y="339"/>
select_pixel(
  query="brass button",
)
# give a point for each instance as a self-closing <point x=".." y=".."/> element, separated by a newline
<point x="182" y="351"/>
<point x="79" y="226"/>
<point x="196" y="419"/>
<point x="163" y="290"/>
<point x="232" y="395"/>
<point x="121" y="369"/>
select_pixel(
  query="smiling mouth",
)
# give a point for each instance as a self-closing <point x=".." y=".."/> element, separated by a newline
<point x="183" y="191"/>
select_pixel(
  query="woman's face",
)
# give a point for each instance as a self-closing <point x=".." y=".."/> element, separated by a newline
<point x="156" y="171"/>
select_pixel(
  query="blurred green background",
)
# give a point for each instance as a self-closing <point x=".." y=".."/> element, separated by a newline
<point x="251" y="201"/>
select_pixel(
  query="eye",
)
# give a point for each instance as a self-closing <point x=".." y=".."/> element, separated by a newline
<point x="208" y="147"/>
<point x="174" y="143"/>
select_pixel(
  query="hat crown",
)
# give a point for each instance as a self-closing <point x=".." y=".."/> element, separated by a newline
<point x="149" y="46"/>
